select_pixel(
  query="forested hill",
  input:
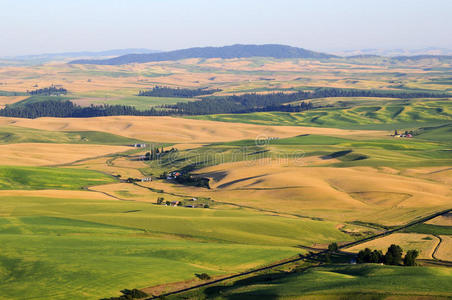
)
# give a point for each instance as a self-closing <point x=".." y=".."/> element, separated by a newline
<point x="234" y="51"/>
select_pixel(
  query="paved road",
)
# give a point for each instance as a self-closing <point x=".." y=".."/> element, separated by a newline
<point x="309" y="256"/>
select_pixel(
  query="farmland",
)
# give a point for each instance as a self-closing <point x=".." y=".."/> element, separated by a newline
<point x="89" y="242"/>
<point x="338" y="282"/>
<point x="280" y="184"/>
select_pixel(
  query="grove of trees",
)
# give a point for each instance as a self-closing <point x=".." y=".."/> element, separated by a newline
<point x="163" y="91"/>
<point x="393" y="256"/>
<point x="49" y="91"/>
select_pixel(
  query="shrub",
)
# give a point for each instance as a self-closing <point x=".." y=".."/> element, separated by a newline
<point x="203" y="276"/>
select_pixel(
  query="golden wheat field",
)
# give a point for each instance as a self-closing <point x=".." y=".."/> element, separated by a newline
<point x="131" y="192"/>
<point x="295" y="189"/>
<point x="444" y="251"/>
<point x="43" y="154"/>
<point x="445" y="220"/>
<point x="177" y="130"/>
<point x="115" y="166"/>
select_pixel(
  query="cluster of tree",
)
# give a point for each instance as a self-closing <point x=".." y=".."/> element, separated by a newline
<point x="163" y="91"/>
<point x="188" y="179"/>
<point x="393" y="256"/>
<point x="129" y="295"/>
<point x="156" y="153"/>
<point x="48" y="91"/>
<point x="67" y="109"/>
<point x="237" y="104"/>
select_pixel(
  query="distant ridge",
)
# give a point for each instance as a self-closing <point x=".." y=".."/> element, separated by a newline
<point x="36" y="59"/>
<point x="234" y="51"/>
<point x="425" y="56"/>
<point x="112" y="52"/>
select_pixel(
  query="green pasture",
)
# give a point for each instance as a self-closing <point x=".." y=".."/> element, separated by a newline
<point x="338" y="282"/>
<point x="13" y="134"/>
<point x="395" y="115"/>
<point x="41" y="178"/>
<point x="38" y="98"/>
<point x="65" y="248"/>
<point x="430" y="229"/>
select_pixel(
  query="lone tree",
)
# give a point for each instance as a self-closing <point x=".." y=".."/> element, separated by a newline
<point x="333" y="247"/>
<point x="410" y="258"/>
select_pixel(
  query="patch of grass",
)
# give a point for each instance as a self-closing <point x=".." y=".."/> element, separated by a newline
<point x="430" y="229"/>
<point x="336" y="282"/>
<point x="40" y="178"/>
<point x="36" y="99"/>
<point x="357" y="115"/>
<point x="13" y="134"/>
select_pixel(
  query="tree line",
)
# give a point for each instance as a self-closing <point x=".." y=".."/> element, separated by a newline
<point x="163" y="91"/>
<point x="49" y="91"/>
<point x="67" y="109"/>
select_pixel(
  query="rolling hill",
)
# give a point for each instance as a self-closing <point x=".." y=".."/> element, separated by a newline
<point x="234" y="51"/>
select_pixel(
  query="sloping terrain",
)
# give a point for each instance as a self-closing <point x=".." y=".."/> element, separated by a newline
<point x="234" y="51"/>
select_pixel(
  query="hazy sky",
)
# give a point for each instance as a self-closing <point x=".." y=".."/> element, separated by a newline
<point x="42" y="26"/>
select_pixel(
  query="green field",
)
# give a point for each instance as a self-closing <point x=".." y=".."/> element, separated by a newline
<point x="13" y="134"/>
<point x="338" y="282"/>
<point x="79" y="248"/>
<point x="37" y="98"/>
<point x="430" y="229"/>
<point x="41" y="178"/>
<point x="141" y="102"/>
<point x="387" y="115"/>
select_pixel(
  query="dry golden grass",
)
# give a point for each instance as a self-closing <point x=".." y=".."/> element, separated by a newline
<point x="424" y="243"/>
<point x="445" y="249"/>
<point x="359" y="193"/>
<point x="444" y="220"/>
<point x="4" y="100"/>
<point x="440" y="174"/>
<point x="362" y="186"/>
<point x="43" y="154"/>
<point x="125" y="169"/>
<point x="177" y="130"/>
<point x="128" y="191"/>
